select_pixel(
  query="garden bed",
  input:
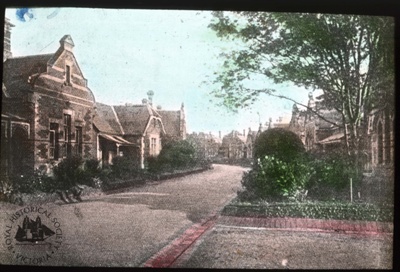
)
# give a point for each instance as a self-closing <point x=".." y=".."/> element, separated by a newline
<point x="124" y="184"/>
<point x="39" y="198"/>
<point x="312" y="210"/>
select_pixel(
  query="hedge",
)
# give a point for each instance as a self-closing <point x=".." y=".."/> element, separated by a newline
<point x="314" y="210"/>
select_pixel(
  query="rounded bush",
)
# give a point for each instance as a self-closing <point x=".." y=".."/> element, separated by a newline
<point x="280" y="143"/>
<point x="178" y="154"/>
<point x="124" y="167"/>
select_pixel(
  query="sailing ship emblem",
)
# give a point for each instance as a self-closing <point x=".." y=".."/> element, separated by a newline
<point x="33" y="231"/>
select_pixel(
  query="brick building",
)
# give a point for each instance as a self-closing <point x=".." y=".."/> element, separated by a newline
<point x="234" y="145"/>
<point x="49" y="113"/>
<point x="47" y="110"/>
<point x="327" y="134"/>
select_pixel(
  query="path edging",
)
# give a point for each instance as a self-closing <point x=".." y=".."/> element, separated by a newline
<point x="307" y="223"/>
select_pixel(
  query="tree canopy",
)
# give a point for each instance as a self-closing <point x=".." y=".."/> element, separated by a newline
<point x="349" y="57"/>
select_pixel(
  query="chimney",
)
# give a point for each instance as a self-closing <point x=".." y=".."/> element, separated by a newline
<point x="244" y="132"/>
<point x="150" y="95"/>
<point x="7" y="39"/>
<point x="219" y="132"/>
<point x="67" y="43"/>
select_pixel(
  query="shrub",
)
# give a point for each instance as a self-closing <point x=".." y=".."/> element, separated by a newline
<point x="153" y="164"/>
<point x="92" y="167"/>
<point x="39" y="181"/>
<point x="332" y="175"/>
<point x="275" y="179"/>
<point x="70" y="172"/>
<point x="6" y="188"/>
<point x="279" y="143"/>
<point x="124" y="167"/>
<point x="177" y="155"/>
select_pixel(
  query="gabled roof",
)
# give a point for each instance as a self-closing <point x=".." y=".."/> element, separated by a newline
<point x="235" y="134"/>
<point x="251" y="135"/>
<point x="331" y="115"/>
<point x="16" y="72"/>
<point x="335" y="138"/>
<point x="24" y="65"/>
<point x="105" y="120"/>
<point x="171" y="121"/>
<point x="205" y="136"/>
<point x="134" y="118"/>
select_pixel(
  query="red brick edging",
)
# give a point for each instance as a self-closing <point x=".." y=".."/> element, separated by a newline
<point x="306" y="223"/>
<point x="170" y="253"/>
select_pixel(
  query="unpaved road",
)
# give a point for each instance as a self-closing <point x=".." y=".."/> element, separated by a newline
<point x="123" y="229"/>
<point x="257" y="248"/>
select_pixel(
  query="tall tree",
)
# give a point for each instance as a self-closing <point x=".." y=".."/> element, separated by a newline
<point x="348" y="57"/>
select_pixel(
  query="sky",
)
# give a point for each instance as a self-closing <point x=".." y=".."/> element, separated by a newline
<point x="124" y="53"/>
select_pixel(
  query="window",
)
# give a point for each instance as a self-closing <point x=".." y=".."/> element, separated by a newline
<point x="54" y="148"/>
<point x="68" y="74"/>
<point x="67" y="135"/>
<point x="78" y="141"/>
<point x="153" y="146"/>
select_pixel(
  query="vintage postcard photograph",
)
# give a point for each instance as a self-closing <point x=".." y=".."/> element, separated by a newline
<point x="169" y="138"/>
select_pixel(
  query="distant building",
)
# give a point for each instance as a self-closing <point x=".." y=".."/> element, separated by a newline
<point x="250" y="142"/>
<point x="281" y="122"/>
<point x="207" y="145"/>
<point x="234" y="145"/>
<point x="325" y="133"/>
<point x="136" y="131"/>
<point x="174" y="123"/>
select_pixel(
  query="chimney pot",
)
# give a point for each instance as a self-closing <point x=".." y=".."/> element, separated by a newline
<point x="150" y="95"/>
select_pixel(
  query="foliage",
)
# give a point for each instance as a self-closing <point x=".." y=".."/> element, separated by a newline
<point x="280" y="143"/>
<point x="348" y="57"/>
<point x="70" y="172"/>
<point x="275" y="179"/>
<point x="176" y="155"/>
<point x="153" y="164"/>
<point x="315" y="210"/>
<point x="92" y="167"/>
<point x="6" y="188"/>
<point x="39" y="181"/>
<point x="332" y="175"/>
<point x="75" y="170"/>
<point x="124" y="168"/>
